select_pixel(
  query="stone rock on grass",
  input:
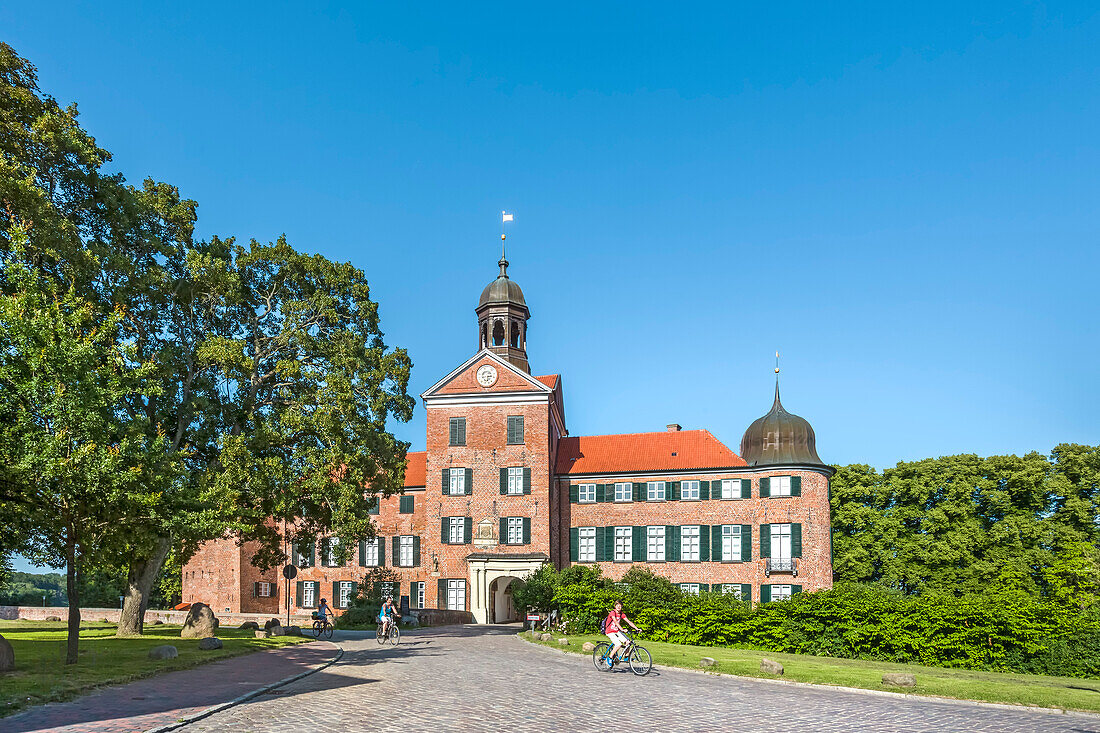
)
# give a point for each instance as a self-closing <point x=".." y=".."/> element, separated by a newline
<point x="53" y="618"/>
<point x="200" y="622"/>
<point x="250" y="625"/>
<point x="158" y="622"/>
<point x="261" y="634"/>
<point x="588" y="647"/>
<point x="272" y="623"/>
<point x="7" y="655"/>
<point x="545" y="637"/>
<point x="164" y="651"/>
<point x="293" y="631"/>
<point x="563" y="642"/>
<point x="209" y="643"/>
<point x="767" y="665"/>
<point x="708" y="662"/>
<point x="899" y="679"/>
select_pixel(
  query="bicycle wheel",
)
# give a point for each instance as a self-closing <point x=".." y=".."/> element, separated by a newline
<point x="317" y="629"/>
<point x="599" y="656"/>
<point x="395" y="635"/>
<point x="328" y="630"/>
<point x="640" y="661"/>
<point x="379" y="636"/>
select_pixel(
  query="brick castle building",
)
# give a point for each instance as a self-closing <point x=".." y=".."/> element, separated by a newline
<point x="502" y="488"/>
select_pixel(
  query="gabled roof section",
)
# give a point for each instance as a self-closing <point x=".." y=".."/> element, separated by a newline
<point x="550" y="380"/>
<point x="683" y="450"/>
<point x="463" y="381"/>
<point x="416" y="472"/>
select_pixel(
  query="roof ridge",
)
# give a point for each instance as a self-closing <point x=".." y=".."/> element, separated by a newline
<point x="648" y="432"/>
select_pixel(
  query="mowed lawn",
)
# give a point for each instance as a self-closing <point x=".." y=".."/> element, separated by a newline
<point x="41" y="674"/>
<point x="1067" y="693"/>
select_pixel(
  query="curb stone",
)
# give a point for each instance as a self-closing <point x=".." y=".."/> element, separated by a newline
<point x="245" y="697"/>
<point x="855" y="690"/>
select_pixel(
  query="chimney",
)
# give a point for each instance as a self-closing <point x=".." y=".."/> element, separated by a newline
<point x="672" y="428"/>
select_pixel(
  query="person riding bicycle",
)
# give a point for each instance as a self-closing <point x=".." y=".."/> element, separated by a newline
<point x="387" y="615"/>
<point x="613" y="628"/>
<point x="323" y="611"/>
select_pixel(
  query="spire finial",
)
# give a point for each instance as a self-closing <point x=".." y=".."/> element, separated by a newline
<point x="777" y="378"/>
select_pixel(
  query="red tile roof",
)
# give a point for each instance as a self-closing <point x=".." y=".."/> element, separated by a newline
<point x="417" y="471"/>
<point x="550" y="380"/>
<point x="666" y="451"/>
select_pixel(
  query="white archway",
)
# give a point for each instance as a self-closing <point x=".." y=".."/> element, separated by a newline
<point x="486" y="568"/>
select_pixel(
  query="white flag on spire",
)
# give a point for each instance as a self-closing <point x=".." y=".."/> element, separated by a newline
<point x="507" y="217"/>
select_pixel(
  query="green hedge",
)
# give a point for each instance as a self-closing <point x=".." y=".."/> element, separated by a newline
<point x="1004" y="631"/>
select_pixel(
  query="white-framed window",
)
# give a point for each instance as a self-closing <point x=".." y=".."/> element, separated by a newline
<point x="692" y="588"/>
<point x="347" y="592"/>
<point x="733" y="589"/>
<point x="586" y="550"/>
<point x="655" y="491"/>
<point x="456" y="532"/>
<point x="456" y="595"/>
<point x="622" y="544"/>
<point x="515" y="530"/>
<point x="689" y="543"/>
<point x="781" y="542"/>
<point x="515" y="480"/>
<point x="731" y="543"/>
<point x="624" y="491"/>
<point x="417" y="592"/>
<point x="655" y="544"/>
<point x="731" y="488"/>
<point x="330" y="548"/>
<point x="779" y="486"/>
<point x="405" y="551"/>
<point x="586" y="493"/>
<point x="370" y="553"/>
<point x="458" y="481"/>
<point x="263" y="589"/>
<point x="689" y="490"/>
<point x="309" y="594"/>
<point x="781" y="592"/>
<point x="387" y="588"/>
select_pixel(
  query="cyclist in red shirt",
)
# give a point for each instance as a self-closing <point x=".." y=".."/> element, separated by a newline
<point x="613" y="627"/>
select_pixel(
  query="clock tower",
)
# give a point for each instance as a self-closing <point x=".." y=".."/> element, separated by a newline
<point x="502" y="319"/>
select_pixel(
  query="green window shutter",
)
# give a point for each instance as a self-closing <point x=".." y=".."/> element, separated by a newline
<point x="574" y="544"/>
<point x="599" y="545"/>
<point x="796" y="589"/>
<point x="765" y="540"/>
<point x="453" y="424"/>
<point x="639" y="491"/>
<point x="469" y="481"/>
<point x="796" y="486"/>
<point x="674" y="491"/>
<point x="573" y="493"/>
<point x="746" y="488"/>
<point x="704" y="543"/>
<point x="446" y="481"/>
<point x="527" y="480"/>
<point x="396" y="551"/>
<point x="441" y="594"/>
<point x="298" y="594"/>
<point x="527" y="530"/>
<point x="672" y="550"/>
<point x="504" y="530"/>
<point x="443" y="526"/>
<point x="462" y="431"/>
<point x="336" y="594"/>
<point x="765" y="488"/>
<point x="746" y="543"/>
<point x="796" y="540"/>
<point x="716" y="543"/>
<point x="468" y="531"/>
<point x="601" y="493"/>
<point x="511" y="430"/>
<point x="503" y="481"/>
<point x="704" y="587"/>
<point x="381" y="551"/>
<point x="416" y="551"/>
<point x="609" y="544"/>
<point x="255" y="590"/>
<point x="324" y="552"/>
<point x="637" y="542"/>
<point x="311" y="553"/>
<point x="704" y="489"/>
<point x="407" y="504"/>
<point x="362" y="553"/>
<point x="766" y="593"/>
<point x="746" y="593"/>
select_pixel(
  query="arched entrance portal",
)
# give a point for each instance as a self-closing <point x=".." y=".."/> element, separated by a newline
<point x="501" y="608"/>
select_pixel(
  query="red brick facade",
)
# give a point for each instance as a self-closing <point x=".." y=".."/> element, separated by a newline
<point x="473" y="434"/>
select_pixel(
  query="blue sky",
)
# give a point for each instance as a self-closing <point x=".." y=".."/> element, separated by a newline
<point x="902" y="200"/>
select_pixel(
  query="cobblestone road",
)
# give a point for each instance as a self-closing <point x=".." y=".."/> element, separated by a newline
<point x="484" y="679"/>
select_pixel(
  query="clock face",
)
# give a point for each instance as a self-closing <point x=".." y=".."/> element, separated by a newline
<point x="487" y="375"/>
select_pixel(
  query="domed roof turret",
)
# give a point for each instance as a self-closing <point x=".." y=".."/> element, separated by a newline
<point x="502" y="290"/>
<point x="780" y="439"/>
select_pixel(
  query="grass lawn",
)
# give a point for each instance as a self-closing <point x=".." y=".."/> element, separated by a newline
<point x="41" y="675"/>
<point x="1067" y="693"/>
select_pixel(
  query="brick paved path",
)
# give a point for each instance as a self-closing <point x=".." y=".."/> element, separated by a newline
<point x="478" y="678"/>
<point x="164" y="699"/>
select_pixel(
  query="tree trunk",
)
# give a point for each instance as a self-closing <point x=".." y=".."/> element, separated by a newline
<point x="72" y="585"/>
<point x="143" y="571"/>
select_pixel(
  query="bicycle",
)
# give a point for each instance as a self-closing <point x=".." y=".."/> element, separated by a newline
<point x="322" y="627"/>
<point x="639" y="658"/>
<point x="393" y="636"/>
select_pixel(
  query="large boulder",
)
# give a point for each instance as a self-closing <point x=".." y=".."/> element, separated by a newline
<point x="261" y="634"/>
<point x="210" y="642"/>
<point x="164" y="651"/>
<point x="272" y="623"/>
<point x="293" y="631"/>
<point x="707" y="662"/>
<point x="769" y="667"/>
<point x="7" y="655"/>
<point x="200" y="622"/>
<point x="53" y="618"/>
<point x="899" y="679"/>
<point x="250" y="625"/>
<point x="158" y="622"/>
<point x="588" y="647"/>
